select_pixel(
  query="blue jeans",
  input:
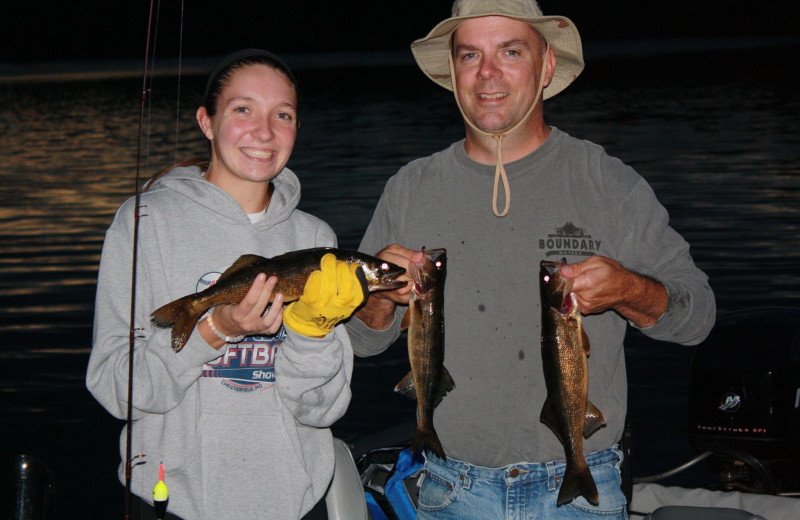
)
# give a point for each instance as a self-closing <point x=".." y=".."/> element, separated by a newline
<point x="457" y="490"/>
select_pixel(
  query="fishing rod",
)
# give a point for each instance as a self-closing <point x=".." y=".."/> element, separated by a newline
<point x="132" y="330"/>
<point x="160" y="492"/>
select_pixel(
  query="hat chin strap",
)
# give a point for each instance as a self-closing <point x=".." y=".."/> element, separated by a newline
<point x="500" y="171"/>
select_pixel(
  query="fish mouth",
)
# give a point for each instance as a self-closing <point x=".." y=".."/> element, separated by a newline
<point x="565" y="287"/>
<point x="568" y="303"/>
<point x="559" y="288"/>
<point x="389" y="281"/>
<point x="423" y="272"/>
<point x="387" y="277"/>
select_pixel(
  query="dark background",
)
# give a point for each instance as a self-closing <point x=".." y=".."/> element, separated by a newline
<point x="46" y="409"/>
<point x="46" y="30"/>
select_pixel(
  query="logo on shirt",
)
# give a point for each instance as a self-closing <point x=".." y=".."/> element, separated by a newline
<point x="246" y="366"/>
<point x="569" y="240"/>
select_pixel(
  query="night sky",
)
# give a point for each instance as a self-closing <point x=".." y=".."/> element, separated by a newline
<point x="39" y="30"/>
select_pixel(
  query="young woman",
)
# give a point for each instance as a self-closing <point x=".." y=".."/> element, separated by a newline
<point x="241" y="425"/>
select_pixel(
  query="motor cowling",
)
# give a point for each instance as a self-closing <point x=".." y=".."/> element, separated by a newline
<point x="744" y="399"/>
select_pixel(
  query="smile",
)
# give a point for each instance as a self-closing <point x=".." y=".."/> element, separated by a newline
<point x="499" y="95"/>
<point x="257" y="154"/>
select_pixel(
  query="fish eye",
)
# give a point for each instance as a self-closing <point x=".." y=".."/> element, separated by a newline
<point x="384" y="266"/>
<point x="546" y="278"/>
<point x="438" y="264"/>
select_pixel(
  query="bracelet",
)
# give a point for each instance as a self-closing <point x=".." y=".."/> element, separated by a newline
<point x="223" y="337"/>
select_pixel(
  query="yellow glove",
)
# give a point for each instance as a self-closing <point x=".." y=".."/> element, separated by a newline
<point x="329" y="296"/>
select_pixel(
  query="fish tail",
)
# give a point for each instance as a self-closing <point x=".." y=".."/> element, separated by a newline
<point x="181" y="315"/>
<point x="577" y="482"/>
<point x="426" y="439"/>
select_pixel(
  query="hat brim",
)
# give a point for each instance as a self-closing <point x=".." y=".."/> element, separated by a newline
<point x="431" y="52"/>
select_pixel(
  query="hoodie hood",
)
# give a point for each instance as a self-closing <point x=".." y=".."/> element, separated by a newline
<point x="189" y="182"/>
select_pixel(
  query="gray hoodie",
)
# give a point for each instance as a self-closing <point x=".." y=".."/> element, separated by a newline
<point x="242" y="431"/>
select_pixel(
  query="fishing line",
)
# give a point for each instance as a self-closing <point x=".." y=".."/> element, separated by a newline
<point x="150" y="89"/>
<point x="178" y="99"/>
<point x="132" y="330"/>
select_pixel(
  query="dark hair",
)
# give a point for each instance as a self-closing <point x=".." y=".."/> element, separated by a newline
<point x="222" y="71"/>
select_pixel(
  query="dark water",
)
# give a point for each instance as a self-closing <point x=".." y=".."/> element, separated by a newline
<point x="716" y="134"/>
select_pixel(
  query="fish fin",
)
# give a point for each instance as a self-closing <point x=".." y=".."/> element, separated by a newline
<point x="406" y="319"/>
<point x="593" y="420"/>
<point x="406" y="386"/>
<point x="549" y="417"/>
<point x="181" y="315"/>
<point x="585" y="342"/>
<point x="577" y="482"/>
<point x="426" y="439"/>
<point x="242" y="262"/>
<point x="447" y="385"/>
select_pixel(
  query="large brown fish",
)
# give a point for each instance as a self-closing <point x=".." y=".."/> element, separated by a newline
<point x="429" y="381"/>
<point x="292" y="270"/>
<point x="567" y="409"/>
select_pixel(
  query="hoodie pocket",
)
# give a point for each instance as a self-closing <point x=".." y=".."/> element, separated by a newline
<point x="247" y="467"/>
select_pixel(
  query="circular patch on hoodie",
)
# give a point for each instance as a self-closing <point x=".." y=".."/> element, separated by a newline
<point x="207" y="280"/>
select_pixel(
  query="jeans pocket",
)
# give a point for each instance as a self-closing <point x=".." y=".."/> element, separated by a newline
<point x="612" y="500"/>
<point x="438" y="490"/>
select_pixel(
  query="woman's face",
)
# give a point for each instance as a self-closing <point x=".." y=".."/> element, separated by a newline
<point x="254" y="129"/>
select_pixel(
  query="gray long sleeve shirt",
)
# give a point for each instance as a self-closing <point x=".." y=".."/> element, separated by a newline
<point x="569" y="199"/>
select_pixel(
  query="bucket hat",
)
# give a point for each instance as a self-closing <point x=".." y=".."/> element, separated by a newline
<point x="431" y="52"/>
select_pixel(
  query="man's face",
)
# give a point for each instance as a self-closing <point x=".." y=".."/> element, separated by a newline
<point x="497" y="64"/>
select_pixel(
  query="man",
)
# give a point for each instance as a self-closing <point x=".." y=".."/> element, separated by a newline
<point x="560" y="197"/>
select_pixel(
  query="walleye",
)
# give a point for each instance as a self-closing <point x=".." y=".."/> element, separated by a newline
<point x="567" y="409"/>
<point x="429" y="381"/>
<point x="292" y="270"/>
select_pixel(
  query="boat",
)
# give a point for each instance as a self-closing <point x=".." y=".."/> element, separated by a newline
<point x="365" y="486"/>
<point x="744" y="420"/>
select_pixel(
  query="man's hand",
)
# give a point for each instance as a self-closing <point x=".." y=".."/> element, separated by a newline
<point x="378" y="312"/>
<point x="601" y="283"/>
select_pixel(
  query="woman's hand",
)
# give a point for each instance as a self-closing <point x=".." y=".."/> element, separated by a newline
<point x="248" y="317"/>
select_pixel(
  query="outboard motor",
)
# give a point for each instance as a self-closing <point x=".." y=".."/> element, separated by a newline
<point x="744" y="399"/>
<point x="27" y="489"/>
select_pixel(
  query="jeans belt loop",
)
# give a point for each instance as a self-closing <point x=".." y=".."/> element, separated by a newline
<point x="551" y="476"/>
<point x="463" y="476"/>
